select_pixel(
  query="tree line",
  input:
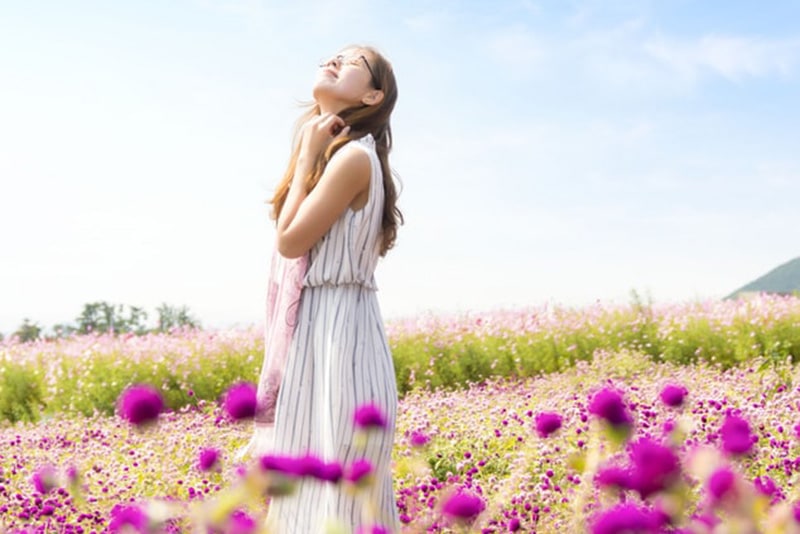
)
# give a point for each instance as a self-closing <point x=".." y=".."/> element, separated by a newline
<point x="104" y="317"/>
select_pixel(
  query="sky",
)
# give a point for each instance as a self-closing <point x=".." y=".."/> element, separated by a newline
<point x="549" y="152"/>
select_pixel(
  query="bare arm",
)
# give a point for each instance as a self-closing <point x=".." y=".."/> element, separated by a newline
<point x="304" y="219"/>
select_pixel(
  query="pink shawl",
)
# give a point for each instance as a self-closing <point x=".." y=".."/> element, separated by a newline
<point x="283" y="301"/>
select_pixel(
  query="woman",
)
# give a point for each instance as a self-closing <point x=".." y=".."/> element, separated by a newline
<point x="327" y="351"/>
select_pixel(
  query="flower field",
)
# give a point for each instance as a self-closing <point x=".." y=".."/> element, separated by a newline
<point x="629" y="419"/>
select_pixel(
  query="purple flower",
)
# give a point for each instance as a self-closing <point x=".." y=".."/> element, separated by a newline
<point x="418" y="439"/>
<point x="627" y="518"/>
<point x="240" y="523"/>
<point x="655" y="467"/>
<point x="207" y="459"/>
<point x="736" y="436"/>
<point x="767" y="487"/>
<point x="130" y="516"/>
<point x="796" y="512"/>
<point x="240" y="401"/>
<point x="514" y="524"/>
<point x="463" y="507"/>
<point x="359" y="472"/>
<point x="614" y="476"/>
<point x="44" y="479"/>
<point x="673" y="395"/>
<point x="547" y="423"/>
<point x="607" y="404"/>
<point x="285" y="465"/>
<point x="375" y="529"/>
<point x="369" y="416"/>
<point x="721" y="483"/>
<point x="140" y="404"/>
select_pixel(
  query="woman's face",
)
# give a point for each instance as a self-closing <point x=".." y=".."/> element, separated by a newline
<point x="344" y="81"/>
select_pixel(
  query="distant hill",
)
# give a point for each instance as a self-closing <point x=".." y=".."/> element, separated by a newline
<point x="783" y="279"/>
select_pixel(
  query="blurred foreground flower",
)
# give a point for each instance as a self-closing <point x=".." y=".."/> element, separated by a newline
<point x="359" y="473"/>
<point x="418" y="439"/>
<point x="673" y="395"/>
<point x="547" y="423"/>
<point x="45" y="479"/>
<point x="128" y="518"/>
<point x="369" y="416"/>
<point x="463" y="507"/>
<point x="140" y="404"/>
<point x="207" y="459"/>
<point x="736" y="436"/>
<point x="628" y="519"/>
<point x="240" y="401"/>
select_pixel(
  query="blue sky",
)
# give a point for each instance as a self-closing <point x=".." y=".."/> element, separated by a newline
<point x="550" y="152"/>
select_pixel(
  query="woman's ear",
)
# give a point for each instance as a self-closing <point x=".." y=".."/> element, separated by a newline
<point x="373" y="97"/>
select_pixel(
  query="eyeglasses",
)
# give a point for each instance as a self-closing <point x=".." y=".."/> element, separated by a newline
<point x="353" y="60"/>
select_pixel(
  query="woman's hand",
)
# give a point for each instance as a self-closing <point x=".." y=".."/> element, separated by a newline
<point x="318" y="133"/>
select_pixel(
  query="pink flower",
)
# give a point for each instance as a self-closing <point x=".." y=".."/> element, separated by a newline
<point x="607" y="404"/>
<point x="628" y="518"/>
<point x="736" y="436"/>
<point x="673" y="395"/>
<point x="140" y="404"/>
<point x="44" y="479"/>
<point x="207" y="459"/>
<point x="547" y="423"/>
<point x="463" y="507"/>
<point x="240" y="401"/>
<point x="418" y="439"/>
<point x="359" y="472"/>
<point x="369" y="416"/>
<point x="721" y="483"/>
<point x="240" y="523"/>
<point x="655" y="467"/>
<point x="130" y="516"/>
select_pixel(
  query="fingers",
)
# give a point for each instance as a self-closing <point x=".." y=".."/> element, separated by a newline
<point x="330" y="122"/>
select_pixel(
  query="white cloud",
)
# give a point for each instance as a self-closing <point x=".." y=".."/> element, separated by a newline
<point x="731" y="57"/>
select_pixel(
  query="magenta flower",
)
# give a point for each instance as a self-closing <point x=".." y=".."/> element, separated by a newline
<point x="736" y="436"/>
<point x="628" y="518"/>
<point x="547" y="423"/>
<point x="615" y="477"/>
<point x="240" y="401"/>
<point x="125" y="518"/>
<point x="285" y="465"/>
<point x="207" y="459"/>
<point x="375" y="529"/>
<point x="369" y="416"/>
<point x="767" y="487"/>
<point x="607" y="404"/>
<point x="463" y="507"/>
<point x="418" y="439"/>
<point x="514" y="525"/>
<point x="655" y="467"/>
<point x="359" y="472"/>
<point x="721" y="483"/>
<point x="673" y="395"/>
<point x="140" y="404"/>
<point x="44" y="479"/>
<point x="240" y="523"/>
<point x="796" y="512"/>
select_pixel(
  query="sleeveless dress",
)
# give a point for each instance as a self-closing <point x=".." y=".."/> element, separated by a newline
<point x="339" y="359"/>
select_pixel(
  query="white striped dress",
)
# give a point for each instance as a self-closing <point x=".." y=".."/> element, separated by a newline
<point x="339" y="358"/>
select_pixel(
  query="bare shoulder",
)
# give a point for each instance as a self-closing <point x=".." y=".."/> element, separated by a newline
<point x="350" y="167"/>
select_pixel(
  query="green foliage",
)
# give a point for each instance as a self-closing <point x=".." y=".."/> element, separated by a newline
<point x="102" y="317"/>
<point x="451" y="355"/>
<point x="28" y="331"/>
<point x="21" y="395"/>
<point x="170" y="317"/>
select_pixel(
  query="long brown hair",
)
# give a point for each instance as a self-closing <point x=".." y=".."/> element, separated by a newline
<point x="362" y="120"/>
